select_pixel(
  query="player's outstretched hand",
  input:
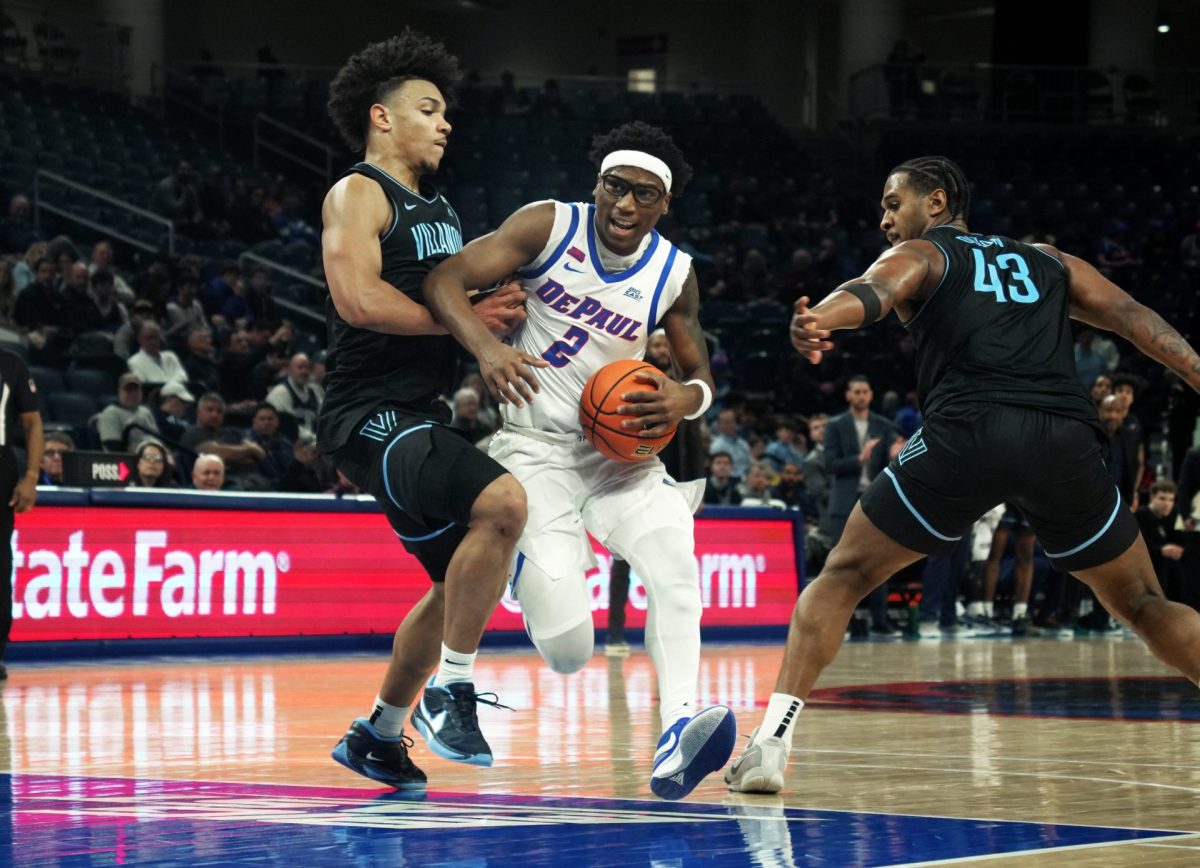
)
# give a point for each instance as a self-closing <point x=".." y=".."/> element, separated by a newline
<point x="502" y="310"/>
<point x="808" y="340"/>
<point x="655" y="411"/>
<point x="505" y="372"/>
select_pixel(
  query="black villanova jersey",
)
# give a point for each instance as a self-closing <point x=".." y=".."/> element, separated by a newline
<point x="996" y="328"/>
<point x="367" y="368"/>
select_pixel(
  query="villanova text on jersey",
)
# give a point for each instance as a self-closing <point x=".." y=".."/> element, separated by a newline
<point x="436" y="239"/>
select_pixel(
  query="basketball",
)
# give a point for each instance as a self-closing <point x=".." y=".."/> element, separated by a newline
<point x="602" y="423"/>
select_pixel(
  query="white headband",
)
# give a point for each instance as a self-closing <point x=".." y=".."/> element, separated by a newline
<point x="638" y="160"/>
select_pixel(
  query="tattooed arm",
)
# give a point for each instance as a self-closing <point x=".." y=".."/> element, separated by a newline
<point x="1099" y="302"/>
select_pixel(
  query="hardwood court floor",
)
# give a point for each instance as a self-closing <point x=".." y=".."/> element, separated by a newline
<point x="909" y="753"/>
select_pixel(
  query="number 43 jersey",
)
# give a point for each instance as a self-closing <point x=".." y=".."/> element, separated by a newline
<point x="996" y="328"/>
<point x="580" y="317"/>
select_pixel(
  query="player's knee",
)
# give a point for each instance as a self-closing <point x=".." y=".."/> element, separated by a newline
<point x="570" y="651"/>
<point x="502" y="506"/>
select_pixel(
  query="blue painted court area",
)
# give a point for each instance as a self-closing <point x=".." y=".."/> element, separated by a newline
<point x="97" y="821"/>
<point x="1110" y="698"/>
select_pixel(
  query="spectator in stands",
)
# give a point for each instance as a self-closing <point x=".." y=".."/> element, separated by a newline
<point x="309" y="471"/>
<point x="908" y="417"/>
<point x="199" y="360"/>
<point x="816" y="479"/>
<point x="57" y="443"/>
<point x="153" y="283"/>
<point x="756" y="490"/>
<point x="220" y="289"/>
<point x="41" y="311"/>
<point x="726" y="439"/>
<point x="856" y="451"/>
<point x="489" y="416"/>
<point x="125" y="424"/>
<point x="1157" y="522"/>
<point x="235" y="310"/>
<point x="174" y="406"/>
<point x="299" y="396"/>
<point x="153" y="466"/>
<point x="1094" y="355"/>
<point x="290" y="224"/>
<point x="242" y="460"/>
<point x="1188" y="499"/>
<point x="466" y="415"/>
<point x="18" y="231"/>
<point x="791" y="491"/>
<point x="25" y="271"/>
<point x="785" y="449"/>
<point x="208" y="473"/>
<point x="264" y="432"/>
<point x="126" y="336"/>
<point x="1101" y="388"/>
<point x="102" y="312"/>
<point x="258" y="295"/>
<point x="184" y="311"/>
<point x="73" y="290"/>
<point x="237" y="363"/>
<point x="1123" y="449"/>
<point x="722" y="486"/>
<point x="176" y="198"/>
<point x="248" y="221"/>
<point x="152" y="363"/>
<point x="1126" y="387"/>
<point x="102" y="260"/>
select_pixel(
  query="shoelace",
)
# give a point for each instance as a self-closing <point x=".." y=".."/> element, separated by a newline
<point x="464" y="707"/>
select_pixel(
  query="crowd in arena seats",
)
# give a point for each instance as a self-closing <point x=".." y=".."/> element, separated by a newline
<point x="768" y="218"/>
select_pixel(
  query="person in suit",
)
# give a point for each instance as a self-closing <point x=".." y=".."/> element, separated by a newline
<point x="857" y="448"/>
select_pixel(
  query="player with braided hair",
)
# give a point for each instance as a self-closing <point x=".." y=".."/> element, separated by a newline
<point x="1006" y="420"/>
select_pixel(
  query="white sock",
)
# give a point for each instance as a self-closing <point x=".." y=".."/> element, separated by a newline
<point x="988" y="609"/>
<point x="456" y="666"/>
<point x="976" y="610"/>
<point x="1019" y="610"/>
<point x="388" y="719"/>
<point x="781" y="714"/>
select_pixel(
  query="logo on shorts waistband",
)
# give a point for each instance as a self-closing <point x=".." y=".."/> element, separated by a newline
<point x="914" y="447"/>
<point x="379" y="426"/>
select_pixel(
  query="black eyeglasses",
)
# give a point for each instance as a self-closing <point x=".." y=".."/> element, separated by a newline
<point x="153" y="459"/>
<point x="55" y="453"/>
<point x="644" y="194"/>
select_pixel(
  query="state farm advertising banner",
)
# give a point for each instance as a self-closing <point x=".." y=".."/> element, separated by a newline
<point x="138" y="573"/>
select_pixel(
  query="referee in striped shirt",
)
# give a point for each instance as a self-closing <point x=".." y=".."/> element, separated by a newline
<point x="18" y="400"/>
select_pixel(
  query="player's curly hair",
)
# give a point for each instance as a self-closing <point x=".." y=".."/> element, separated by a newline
<point x="926" y="174"/>
<point x="638" y="136"/>
<point x="369" y="76"/>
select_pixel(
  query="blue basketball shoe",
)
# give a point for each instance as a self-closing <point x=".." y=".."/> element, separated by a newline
<point x="692" y="748"/>
<point x="378" y="757"/>
<point x="446" y="717"/>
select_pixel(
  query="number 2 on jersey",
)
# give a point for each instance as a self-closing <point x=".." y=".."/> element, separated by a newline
<point x="987" y="278"/>
<point x="560" y="352"/>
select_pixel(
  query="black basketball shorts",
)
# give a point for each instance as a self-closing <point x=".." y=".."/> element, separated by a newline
<point x="969" y="457"/>
<point x="425" y="475"/>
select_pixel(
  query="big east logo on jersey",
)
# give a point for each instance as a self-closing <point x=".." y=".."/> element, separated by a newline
<point x="598" y="316"/>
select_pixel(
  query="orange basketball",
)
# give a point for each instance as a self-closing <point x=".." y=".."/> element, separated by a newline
<point x="602" y="423"/>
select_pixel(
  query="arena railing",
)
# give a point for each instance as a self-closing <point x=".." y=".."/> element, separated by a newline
<point x="45" y="178"/>
<point x="1032" y="94"/>
<point x="266" y="126"/>
<point x="308" y="313"/>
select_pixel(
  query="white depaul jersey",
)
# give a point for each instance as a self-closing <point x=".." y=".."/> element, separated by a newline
<point x="580" y="317"/>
